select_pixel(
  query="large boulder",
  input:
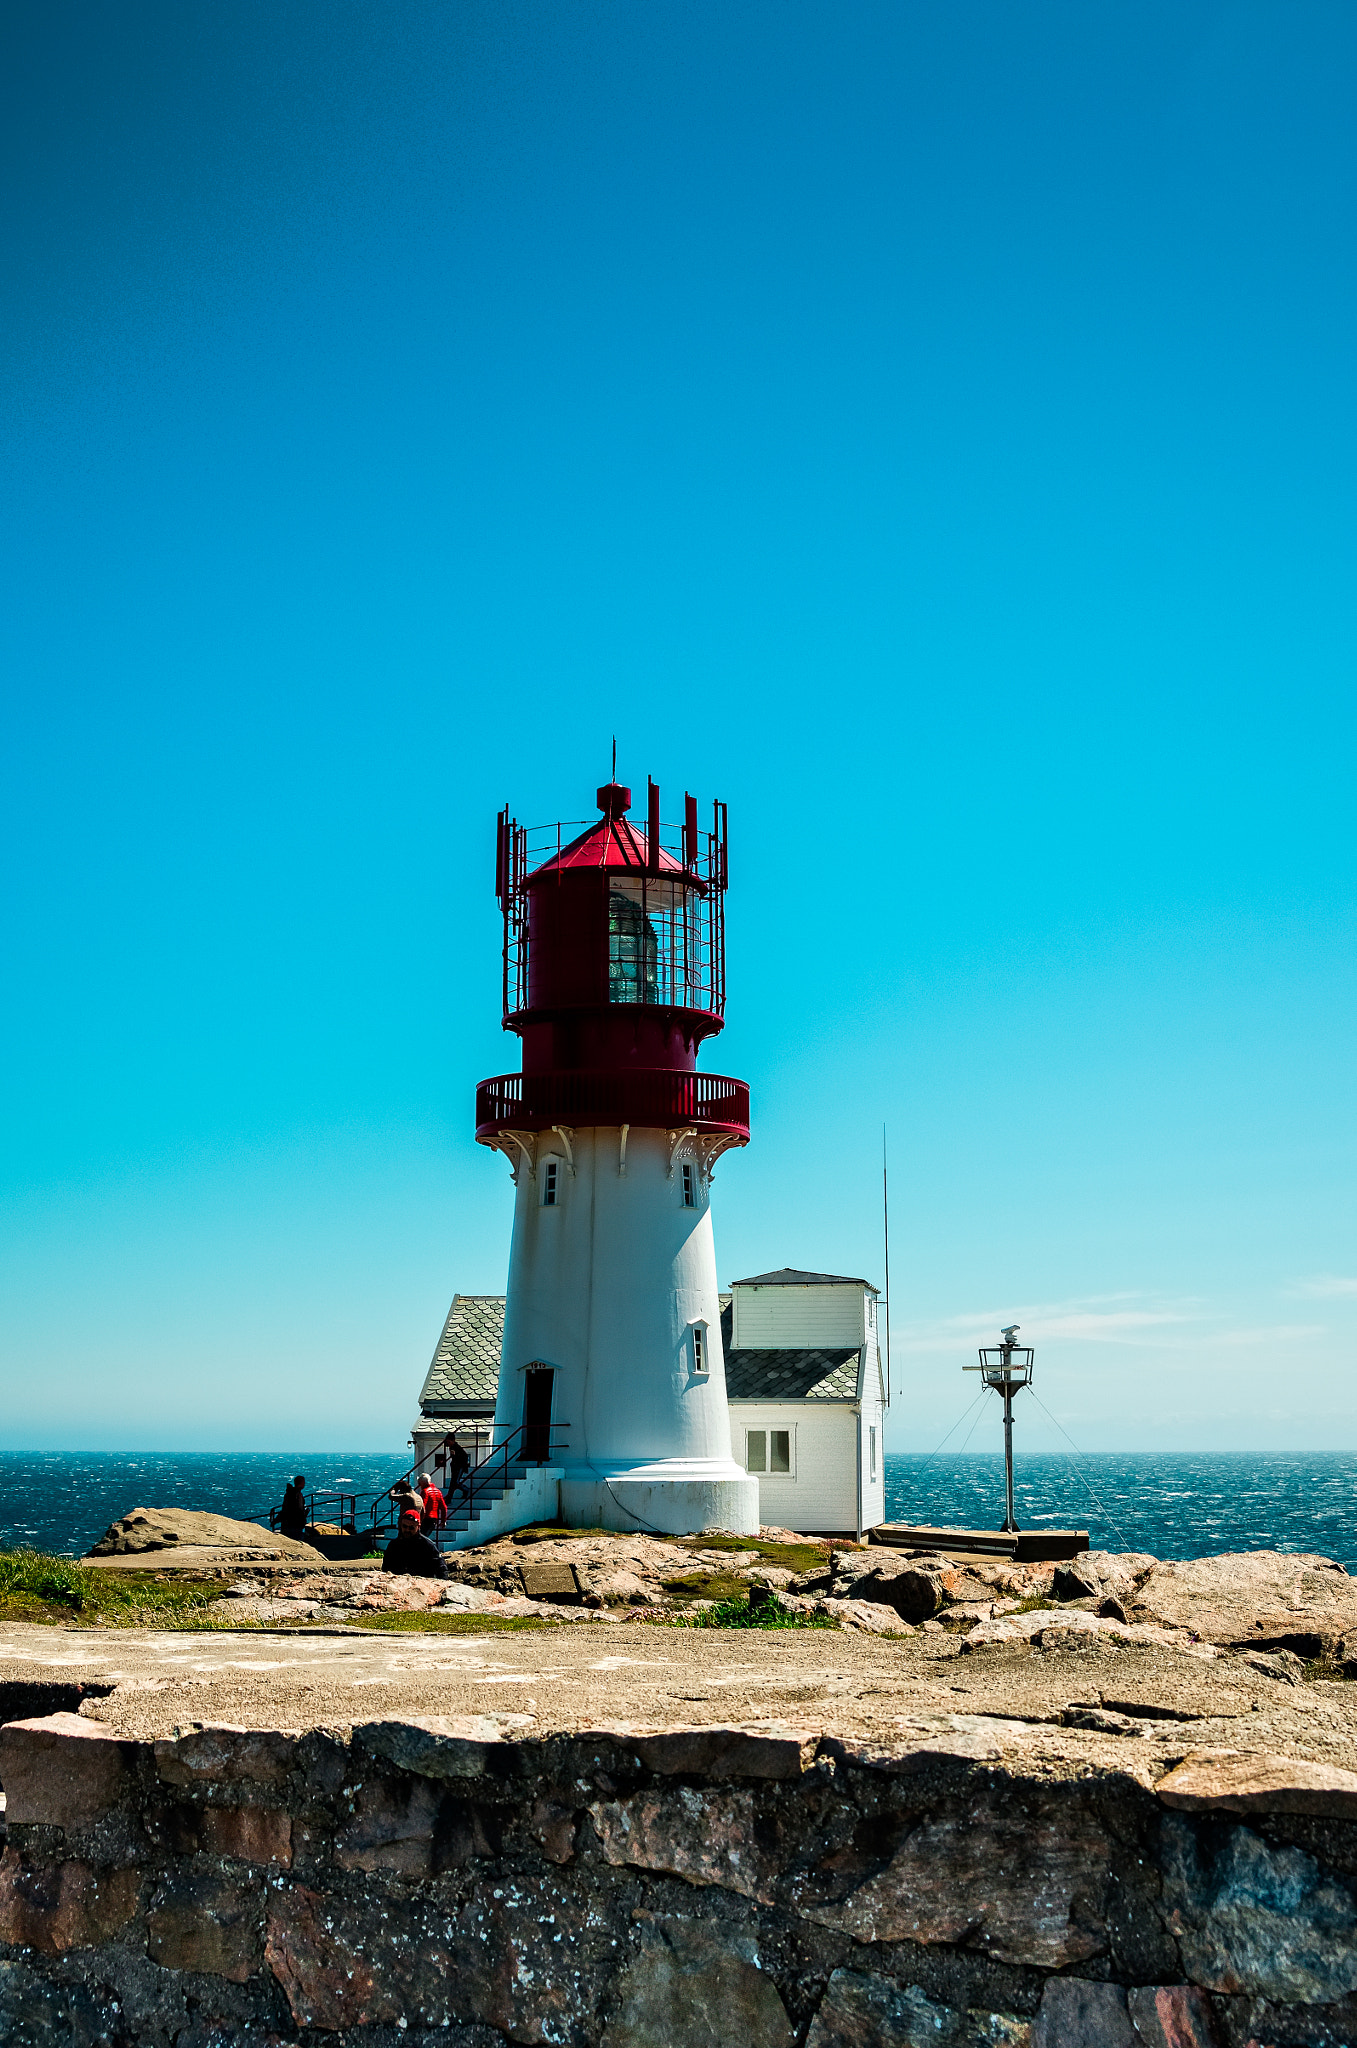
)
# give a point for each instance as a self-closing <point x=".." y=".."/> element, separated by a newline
<point x="166" y="1529"/>
<point x="1256" y="1599"/>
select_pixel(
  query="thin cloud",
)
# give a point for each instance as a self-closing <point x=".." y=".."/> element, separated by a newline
<point x="1324" y="1287"/>
<point x="1099" y="1319"/>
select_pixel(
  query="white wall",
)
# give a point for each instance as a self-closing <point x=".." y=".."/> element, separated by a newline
<point x="872" y="1417"/>
<point x="604" y="1288"/>
<point x="798" y="1318"/>
<point x="820" y="1492"/>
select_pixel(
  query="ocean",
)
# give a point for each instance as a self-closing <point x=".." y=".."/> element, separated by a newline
<point x="1173" y="1504"/>
<point x="1170" y="1503"/>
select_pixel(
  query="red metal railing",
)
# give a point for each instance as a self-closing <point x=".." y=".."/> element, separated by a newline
<point x="649" y="1097"/>
<point x="682" y="912"/>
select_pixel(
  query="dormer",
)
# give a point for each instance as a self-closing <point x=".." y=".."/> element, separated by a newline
<point x="794" y="1311"/>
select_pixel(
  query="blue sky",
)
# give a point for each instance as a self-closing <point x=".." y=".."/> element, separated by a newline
<point x="929" y="429"/>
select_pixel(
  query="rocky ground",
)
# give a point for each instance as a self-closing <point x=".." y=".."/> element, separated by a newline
<point x="1119" y="1655"/>
<point x="1269" y="1604"/>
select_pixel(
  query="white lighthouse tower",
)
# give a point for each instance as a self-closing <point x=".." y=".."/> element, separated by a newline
<point x="614" y="973"/>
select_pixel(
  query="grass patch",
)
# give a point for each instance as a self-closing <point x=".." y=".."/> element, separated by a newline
<point x="1036" y="1605"/>
<point x="769" y="1613"/>
<point x="35" y="1586"/>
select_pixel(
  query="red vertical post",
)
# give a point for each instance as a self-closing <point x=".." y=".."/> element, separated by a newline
<point x="689" y="831"/>
<point x="653" y="836"/>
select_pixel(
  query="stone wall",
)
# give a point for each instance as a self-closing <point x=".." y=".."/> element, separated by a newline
<point x="422" y="1882"/>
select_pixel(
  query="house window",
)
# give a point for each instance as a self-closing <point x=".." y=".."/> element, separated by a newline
<point x="689" y="1185"/>
<point x="551" y="1183"/>
<point x="700" y="1348"/>
<point x="871" y="1453"/>
<point x="768" y="1450"/>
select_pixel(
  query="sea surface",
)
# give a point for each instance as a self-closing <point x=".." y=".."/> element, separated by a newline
<point x="1183" y="1504"/>
<point x="1172" y="1504"/>
<point x="62" y="1501"/>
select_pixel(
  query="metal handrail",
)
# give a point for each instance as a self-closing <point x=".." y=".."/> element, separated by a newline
<point x="382" y="1510"/>
<point x="501" y="1455"/>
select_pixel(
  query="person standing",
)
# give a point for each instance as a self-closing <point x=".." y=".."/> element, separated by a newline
<point x="292" y="1514"/>
<point x="435" y="1512"/>
<point x="458" y="1466"/>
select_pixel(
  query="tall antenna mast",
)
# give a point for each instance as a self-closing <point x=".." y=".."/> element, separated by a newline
<point x="614" y="757"/>
<point x="886" y="1235"/>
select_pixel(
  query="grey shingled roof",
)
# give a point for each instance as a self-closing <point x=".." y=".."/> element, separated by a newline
<point x="792" y="1375"/>
<point x="792" y="1276"/>
<point x="466" y="1362"/>
<point x="787" y="1375"/>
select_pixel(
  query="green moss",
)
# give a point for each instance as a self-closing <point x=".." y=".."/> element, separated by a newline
<point x="423" y="1622"/>
<point x="706" y="1586"/>
<point x="792" y="1557"/>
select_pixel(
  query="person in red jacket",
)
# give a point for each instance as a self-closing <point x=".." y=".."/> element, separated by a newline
<point x="435" y="1515"/>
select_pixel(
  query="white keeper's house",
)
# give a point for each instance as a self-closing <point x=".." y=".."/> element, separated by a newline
<point x="805" y="1383"/>
<point x="805" y="1387"/>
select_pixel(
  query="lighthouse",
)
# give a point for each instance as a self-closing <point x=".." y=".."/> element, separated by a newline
<point x="614" y="975"/>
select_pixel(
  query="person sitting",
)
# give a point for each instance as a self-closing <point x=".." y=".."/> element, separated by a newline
<point x="411" y="1553"/>
<point x="435" y="1508"/>
<point x="292" y="1514"/>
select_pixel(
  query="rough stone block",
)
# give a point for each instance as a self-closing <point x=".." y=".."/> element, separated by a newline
<point x="55" y="1907"/>
<point x="706" y="1838"/>
<point x="225" y="1755"/>
<point x="553" y="1829"/>
<point x="207" y="1924"/>
<point x="250" y="1834"/>
<point x="1251" y="1918"/>
<point x="1025" y="1881"/>
<point x="1074" y="2014"/>
<point x="392" y="1828"/>
<point x="324" y="1976"/>
<point x="861" y="2009"/>
<point x="753" y="1750"/>
<point x="1171" y="2016"/>
<point x="687" y="1987"/>
<point x="64" y="1771"/>
<point x="1235" y="1782"/>
<point x="458" y="1746"/>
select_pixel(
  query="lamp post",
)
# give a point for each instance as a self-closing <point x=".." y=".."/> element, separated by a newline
<point x="1007" y="1367"/>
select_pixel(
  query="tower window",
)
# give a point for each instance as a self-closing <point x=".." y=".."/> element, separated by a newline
<point x="871" y="1454"/>
<point x="551" y="1183"/>
<point x="700" y="1348"/>
<point x="689" y="1185"/>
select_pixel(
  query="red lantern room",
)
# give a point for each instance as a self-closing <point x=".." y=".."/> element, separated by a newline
<point x="614" y="973"/>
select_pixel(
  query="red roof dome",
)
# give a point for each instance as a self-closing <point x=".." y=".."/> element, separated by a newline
<point x="612" y="843"/>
